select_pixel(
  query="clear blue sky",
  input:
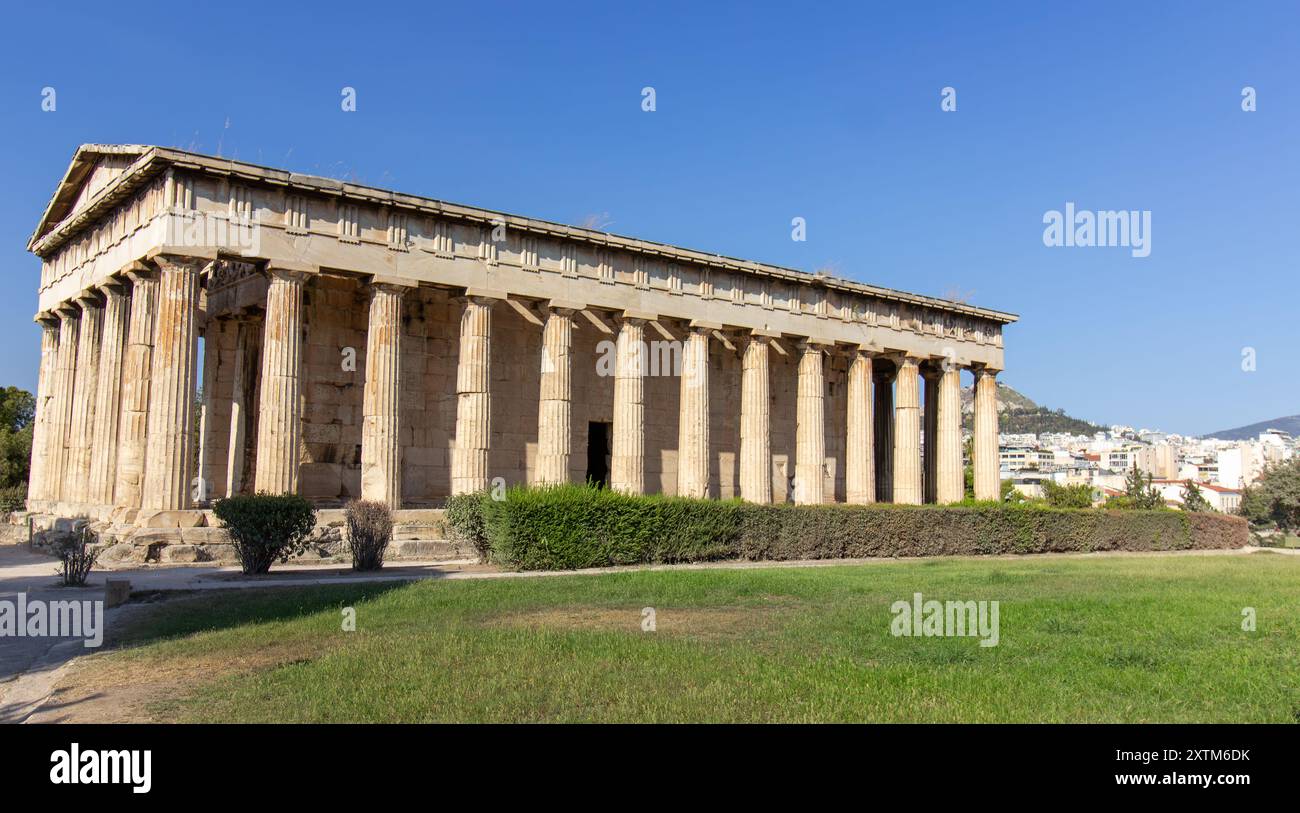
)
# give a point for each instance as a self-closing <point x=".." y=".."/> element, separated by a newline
<point x="765" y="112"/>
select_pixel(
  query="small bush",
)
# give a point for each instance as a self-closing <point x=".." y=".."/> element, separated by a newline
<point x="266" y="527"/>
<point x="370" y="529"/>
<point x="76" y="558"/>
<point x="464" y="517"/>
<point x="13" y="498"/>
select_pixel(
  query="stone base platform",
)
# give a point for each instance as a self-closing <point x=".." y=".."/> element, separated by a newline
<point x="185" y="537"/>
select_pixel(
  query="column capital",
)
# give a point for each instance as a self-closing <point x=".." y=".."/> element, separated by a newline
<point x="287" y="274"/>
<point x="171" y="257"/>
<point x="142" y="273"/>
<point x="113" y="286"/>
<point x="636" y="317"/>
<point x="89" y="298"/>
<point x="389" y="286"/>
<point x="67" y="311"/>
<point x="566" y="307"/>
<point x="984" y="370"/>
<point x="812" y="344"/>
<point x="46" y="319"/>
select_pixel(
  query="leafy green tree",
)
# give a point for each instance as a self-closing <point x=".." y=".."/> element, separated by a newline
<point x="17" y="412"/>
<point x="1078" y="495"/>
<point x="1138" y="493"/>
<point x="1275" y="497"/>
<point x="1193" y="499"/>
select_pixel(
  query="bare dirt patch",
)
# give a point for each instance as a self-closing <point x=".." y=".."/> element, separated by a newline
<point x="693" y="622"/>
<point x="120" y="687"/>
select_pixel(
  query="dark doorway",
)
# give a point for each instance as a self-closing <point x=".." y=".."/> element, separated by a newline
<point x="598" y="453"/>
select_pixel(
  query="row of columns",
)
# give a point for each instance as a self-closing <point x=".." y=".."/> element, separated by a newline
<point x="117" y="383"/>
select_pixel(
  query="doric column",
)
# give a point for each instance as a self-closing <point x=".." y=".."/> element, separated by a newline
<point x="137" y="367"/>
<point x="951" y="484"/>
<point x="108" y="395"/>
<point x="929" y="434"/>
<point x="279" y="417"/>
<point x="859" y="452"/>
<point x="628" y="455"/>
<point x="172" y="385"/>
<point x="61" y="425"/>
<point x="810" y="427"/>
<point x="37" y="482"/>
<point x="243" y="373"/>
<point x="469" y="465"/>
<point x="884" y="420"/>
<point x="381" y="440"/>
<point x="907" y="434"/>
<point x="83" y="397"/>
<point x="985" y="452"/>
<point x="555" y="399"/>
<point x="756" y="423"/>
<point x="693" y="416"/>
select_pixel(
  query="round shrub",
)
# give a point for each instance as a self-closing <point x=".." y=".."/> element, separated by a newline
<point x="266" y="527"/>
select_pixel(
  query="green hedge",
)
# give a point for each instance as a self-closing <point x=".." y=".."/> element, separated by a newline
<point x="564" y="527"/>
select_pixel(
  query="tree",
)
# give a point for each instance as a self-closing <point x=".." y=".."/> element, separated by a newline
<point x="1138" y="493"/>
<point x="1274" y="497"/>
<point x="1193" y="499"/>
<point x="1078" y="495"/>
<point x="17" y="412"/>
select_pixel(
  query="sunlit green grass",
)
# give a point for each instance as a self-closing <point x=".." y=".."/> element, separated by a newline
<point x="1081" y="640"/>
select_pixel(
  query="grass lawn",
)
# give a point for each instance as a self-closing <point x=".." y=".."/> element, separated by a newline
<point x="1081" y="640"/>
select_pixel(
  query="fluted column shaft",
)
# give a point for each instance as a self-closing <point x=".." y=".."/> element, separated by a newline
<point x="810" y="428"/>
<point x="929" y="437"/>
<point x="951" y="486"/>
<point x="555" y="400"/>
<point x="884" y="420"/>
<point x="985" y="450"/>
<point x="628" y="454"/>
<point x="279" y="427"/>
<point x="83" y="398"/>
<point x="61" y="427"/>
<point x="693" y="417"/>
<point x="907" y="434"/>
<point x="859" y="452"/>
<point x="172" y="386"/>
<point x="247" y="349"/>
<point x="381" y="447"/>
<point x="755" y="423"/>
<point x="108" y="396"/>
<point x="37" y="481"/>
<point x="137" y="367"/>
<point x="469" y="465"/>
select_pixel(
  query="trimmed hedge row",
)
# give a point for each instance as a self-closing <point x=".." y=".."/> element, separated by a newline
<point x="566" y="527"/>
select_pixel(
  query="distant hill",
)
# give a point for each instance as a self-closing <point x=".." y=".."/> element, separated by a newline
<point x="1290" y="423"/>
<point x="1018" y="414"/>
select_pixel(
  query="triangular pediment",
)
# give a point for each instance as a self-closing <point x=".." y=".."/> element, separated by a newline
<point x="93" y="167"/>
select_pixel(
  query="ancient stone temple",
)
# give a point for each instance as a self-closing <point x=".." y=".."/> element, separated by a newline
<point x="211" y="327"/>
